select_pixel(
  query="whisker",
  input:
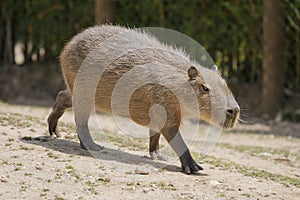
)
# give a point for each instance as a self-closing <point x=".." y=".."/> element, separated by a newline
<point x="244" y="122"/>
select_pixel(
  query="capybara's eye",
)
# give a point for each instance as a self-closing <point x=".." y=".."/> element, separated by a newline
<point x="205" y="89"/>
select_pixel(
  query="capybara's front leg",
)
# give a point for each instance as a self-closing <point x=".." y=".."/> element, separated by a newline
<point x="63" y="101"/>
<point x="154" y="152"/>
<point x="173" y="136"/>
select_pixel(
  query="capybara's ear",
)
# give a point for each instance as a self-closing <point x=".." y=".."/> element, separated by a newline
<point x="193" y="73"/>
<point x="214" y="68"/>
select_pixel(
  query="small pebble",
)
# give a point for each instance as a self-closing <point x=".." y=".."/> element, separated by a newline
<point x="214" y="182"/>
<point x="3" y="180"/>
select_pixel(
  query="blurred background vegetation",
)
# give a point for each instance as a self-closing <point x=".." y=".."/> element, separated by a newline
<point x="238" y="34"/>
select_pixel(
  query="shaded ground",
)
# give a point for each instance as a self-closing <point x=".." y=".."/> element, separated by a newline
<point x="243" y="165"/>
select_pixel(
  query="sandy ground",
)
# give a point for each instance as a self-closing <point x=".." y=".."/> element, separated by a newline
<point x="246" y="163"/>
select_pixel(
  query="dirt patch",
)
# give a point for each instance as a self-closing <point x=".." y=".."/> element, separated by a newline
<point x="36" y="166"/>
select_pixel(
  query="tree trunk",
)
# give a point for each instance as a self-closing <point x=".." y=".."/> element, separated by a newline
<point x="273" y="57"/>
<point x="104" y="11"/>
<point x="9" y="51"/>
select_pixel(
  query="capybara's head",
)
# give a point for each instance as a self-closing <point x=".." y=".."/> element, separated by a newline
<point x="217" y="104"/>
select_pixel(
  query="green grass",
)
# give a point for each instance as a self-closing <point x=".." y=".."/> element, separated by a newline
<point x="52" y="155"/>
<point x="25" y="148"/>
<point x="71" y="137"/>
<point x="19" y="121"/>
<point x="45" y="190"/>
<point x="255" y="149"/>
<point x="104" y="180"/>
<point x="4" y="162"/>
<point x="17" y="169"/>
<point x="122" y="141"/>
<point x="69" y="167"/>
<point x="58" y="198"/>
<point x="163" y="185"/>
<point x="89" y="183"/>
<point x="246" y="195"/>
<point x="67" y="127"/>
<point x="249" y="171"/>
<point x="93" y="191"/>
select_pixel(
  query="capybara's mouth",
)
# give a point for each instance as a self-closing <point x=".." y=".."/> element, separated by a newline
<point x="231" y="120"/>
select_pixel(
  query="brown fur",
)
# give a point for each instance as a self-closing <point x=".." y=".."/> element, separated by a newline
<point x="143" y="98"/>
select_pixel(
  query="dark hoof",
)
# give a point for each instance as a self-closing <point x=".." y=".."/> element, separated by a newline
<point x="52" y="127"/>
<point x="188" y="165"/>
<point x="158" y="156"/>
<point x="192" y="168"/>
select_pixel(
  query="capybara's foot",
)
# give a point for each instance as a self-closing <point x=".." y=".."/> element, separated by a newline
<point x="156" y="155"/>
<point x="52" y="125"/>
<point x="188" y="165"/>
<point x="91" y="146"/>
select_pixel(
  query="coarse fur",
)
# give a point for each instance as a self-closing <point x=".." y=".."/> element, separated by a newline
<point x="167" y="72"/>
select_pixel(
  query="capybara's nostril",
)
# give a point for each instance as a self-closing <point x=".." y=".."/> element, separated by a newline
<point x="229" y="111"/>
<point x="233" y="111"/>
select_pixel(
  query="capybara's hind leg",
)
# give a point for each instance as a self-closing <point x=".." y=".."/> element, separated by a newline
<point x="86" y="141"/>
<point x="63" y="101"/>
<point x="154" y="146"/>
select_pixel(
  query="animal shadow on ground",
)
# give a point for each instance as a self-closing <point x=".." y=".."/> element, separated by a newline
<point x="109" y="154"/>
